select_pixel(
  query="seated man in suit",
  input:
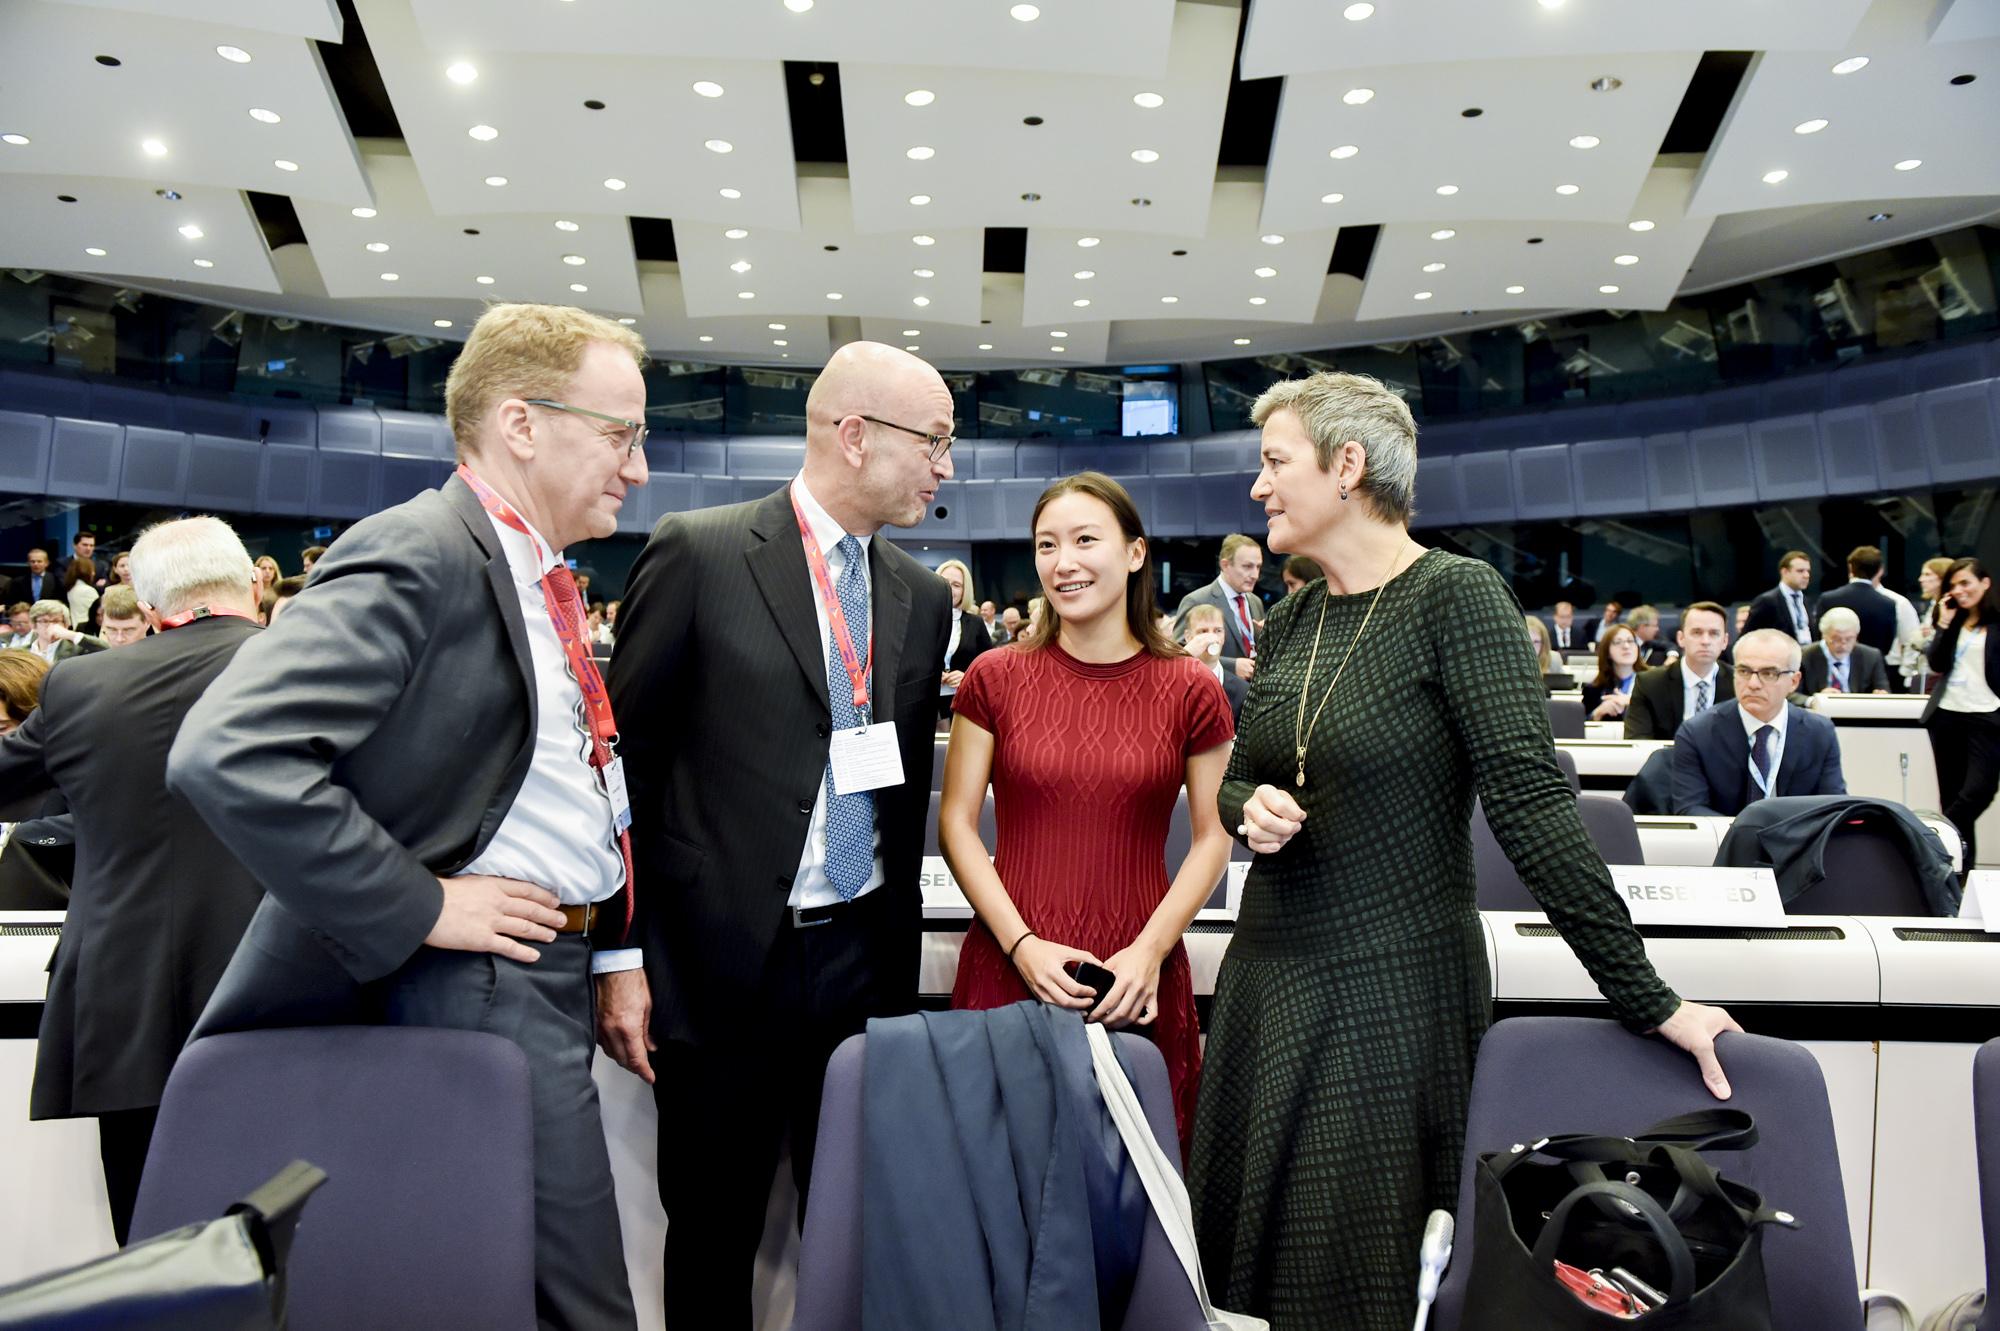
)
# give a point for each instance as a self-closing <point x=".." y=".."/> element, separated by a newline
<point x="1644" y="621"/>
<point x="1567" y="633"/>
<point x="1758" y="745"/>
<point x="1205" y="632"/>
<point x="1840" y="662"/>
<point x="1662" y="699"/>
<point x="1784" y="607"/>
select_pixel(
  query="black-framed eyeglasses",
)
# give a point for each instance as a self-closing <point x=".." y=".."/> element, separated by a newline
<point x="939" y="444"/>
<point x="629" y="438"/>
<point x="1767" y="674"/>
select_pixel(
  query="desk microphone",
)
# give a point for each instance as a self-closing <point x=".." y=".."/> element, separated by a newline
<point x="1435" y="1256"/>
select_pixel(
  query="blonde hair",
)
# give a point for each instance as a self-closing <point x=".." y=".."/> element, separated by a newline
<point x="524" y="351"/>
<point x="966" y="602"/>
<point x="1335" y="408"/>
<point x="1540" y="633"/>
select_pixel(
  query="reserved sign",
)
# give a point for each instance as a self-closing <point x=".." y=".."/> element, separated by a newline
<point x="940" y="889"/>
<point x="1699" y="894"/>
<point x="1981" y="904"/>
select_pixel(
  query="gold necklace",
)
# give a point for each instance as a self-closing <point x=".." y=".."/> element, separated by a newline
<point x="1302" y="729"/>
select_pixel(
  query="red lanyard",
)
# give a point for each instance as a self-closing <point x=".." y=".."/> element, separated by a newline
<point x="202" y="612"/>
<point x="1243" y="617"/>
<point x="836" y="622"/>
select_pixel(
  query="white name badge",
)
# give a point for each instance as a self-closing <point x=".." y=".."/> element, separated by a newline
<point x="1981" y="904"/>
<point x="940" y="888"/>
<point x="1699" y="894"/>
<point x="866" y="758"/>
<point x="614" y="789"/>
<point x="1238" y="871"/>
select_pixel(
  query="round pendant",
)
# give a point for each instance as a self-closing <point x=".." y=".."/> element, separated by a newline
<point x="1300" y="779"/>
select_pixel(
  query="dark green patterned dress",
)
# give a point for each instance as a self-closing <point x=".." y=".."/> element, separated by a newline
<point x="1355" y="990"/>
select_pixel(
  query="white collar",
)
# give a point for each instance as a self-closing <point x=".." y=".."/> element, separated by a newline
<point x="528" y="555"/>
<point x="824" y="529"/>
<point x="1751" y="725"/>
<point x="1869" y="581"/>
<point x="1689" y="679"/>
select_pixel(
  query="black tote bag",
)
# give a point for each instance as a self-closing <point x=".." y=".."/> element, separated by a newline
<point x="1649" y="1205"/>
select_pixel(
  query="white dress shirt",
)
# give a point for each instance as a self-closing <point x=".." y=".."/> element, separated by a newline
<point x="1751" y="725"/>
<point x="1905" y="650"/>
<point x="810" y="886"/>
<point x="20" y="642"/>
<point x="1561" y="635"/>
<point x="1965" y="689"/>
<point x="558" y="833"/>
<point x="1688" y="681"/>
<point x="950" y="647"/>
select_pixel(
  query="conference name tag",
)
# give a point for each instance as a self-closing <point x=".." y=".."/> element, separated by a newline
<point x="1981" y="905"/>
<point x="866" y="758"/>
<point x="1699" y="894"/>
<point x="940" y="888"/>
<point x="614" y="790"/>
<point x="1239" y="870"/>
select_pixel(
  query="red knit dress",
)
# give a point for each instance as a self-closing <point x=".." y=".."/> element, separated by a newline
<point x="1087" y="760"/>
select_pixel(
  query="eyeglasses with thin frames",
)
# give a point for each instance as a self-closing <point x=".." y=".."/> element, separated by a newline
<point x="633" y="435"/>
<point x="938" y="444"/>
<point x="1767" y="674"/>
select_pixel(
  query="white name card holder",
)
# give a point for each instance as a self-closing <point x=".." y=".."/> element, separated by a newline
<point x="1238" y="871"/>
<point x="1981" y="905"/>
<point x="1700" y="895"/>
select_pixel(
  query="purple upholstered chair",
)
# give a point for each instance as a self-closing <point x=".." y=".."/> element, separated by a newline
<point x="829" y="1289"/>
<point x="428" y="1213"/>
<point x="1986" y="1131"/>
<point x="1542" y="1075"/>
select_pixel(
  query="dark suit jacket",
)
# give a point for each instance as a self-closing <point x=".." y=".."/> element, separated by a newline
<point x="1944" y="651"/>
<point x="359" y="749"/>
<point x="1866" y="670"/>
<point x="1656" y="652"/>
<point x="1657" y="702"/>
<point x="1770" y="610"/>
<point x="719" y="683"/>
<point x="157" y="903"/>
<point x="1582" y="634"/>
<point x="1876" y="611"/>
<point x="1223" y="599"/>
<point x="1712" y="761"/>
<point x="972" y="639"/>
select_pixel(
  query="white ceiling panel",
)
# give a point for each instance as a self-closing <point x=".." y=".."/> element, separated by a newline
<point x="803" y="339"/>
<point x="1965" y="20"/>
<point x="432" y="255"/>
<point x="1001" y="338"/>
<point x="1214" y="276"/>
<point x="1098" y="37"/>
<point x="138" y="231"/>
<point x="1901" y="108"/>
<point x="169" y="88"/>
<point x="1742" y="247"/>
<point x="1309" y="36"/>
<point x="986" y="160"/>
<point x="791" y="272"/>
<point x="1418" y="158"/>
<point x="318" y="19"/>
<point x="554" y="152"/>
<point x="1565" y="265"/>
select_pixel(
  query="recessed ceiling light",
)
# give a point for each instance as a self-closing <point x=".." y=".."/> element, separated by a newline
<point x="719" y="146"/>
<point x="1585" y="141"/>
<point x="1241" y="341"/>
<point x="440" y="323"/>
<point x="484" y="133"/>
<point x="1084" y="274"/>
<point x="797" y="7"/>
<point x="1773" y="177"/>
<point x="1144" y="155"/>
<point x="913" y="347"/>
<point x="1343" y="152"/>
<point x="726" y="192"/>
<point x="1331" y="198"/>
<point x="1447" y="190"/>
<point x="574" y="260"/>
<point x="779" y="342"/>
<point x="1433" y="267"/>
<point x="1057" y="334"/>
<point x="1852" y="63"/>
<point x="204" y="263"/>
<point x="1170" y="300"/>
<point x="614" y="183"/>
<point x="564" y="224"/>
<point x="1608" y="289"/>
<point x="1606" y="83"/>
<point x="233" y="54"/>
<point x="920" y="153"/>
<point x="461" y="72"/>
<point x="706" y="337"/>
<point x="1257" y="300"/>
<point x="706" y="88"/>
<point x="919" y="97"/>
<point x="922" y="272"/>
<point x="776" y="328"/>
<point x="1909" y="163"/>
<point x="1566" y="189"/>
<point x="923" y="240"/>
<point x="392" y="277"/>
<point x="1058" y="349"/>
<point x="746" y="295"/>
<point x="377" y="247"/>
<point x="920" y="200"/>
<point x="628" y="320"/>
<point x="1355" y="13"/>
<point x="1421" y="295"/>
<point x="833" y="295"/>
<point x="1358" y="96"/>
<point x="1626" y="260"/>
<point x="263" y="116"/>
<point x="1080" y="302"/>
<point x="191" y="231"/>
<point x="1515" y="290"/>
<point x="1267" y="272"/>
<point x="920" y="301"/>
<point x="1025" y="13"/>
<point x="740" y="266"/>
<point x="986" y="346"/>
<point x="483" y="280"/>
<point x="1552" y="4"/>
<point x="1273" y="238"/>
<point x="1443" y="233"/>
<point x="284" y="164"/>
<point x="1085" y="242"/>
<point x="578" y="287"/>
<point x="913" y="332"/>
<point x="1152" y="101"/>
<point x="1813" y="126"/>
<point x="496" y="181"/>
<point x="736" y="233"/>
<point x="1641" y="225"/>
<point x="153" y="148"/>
<point x="93" y="251"/>
<point x="362" y="212"/>
<point x="1880" y="217"/>
<point x="18" y="140"/>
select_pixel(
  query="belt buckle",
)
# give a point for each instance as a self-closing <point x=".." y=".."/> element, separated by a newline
<point x="800" y="922"/>
<point x="589" y="909"/>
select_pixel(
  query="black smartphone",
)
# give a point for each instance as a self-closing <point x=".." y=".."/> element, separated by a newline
<point x="1095" y="977"/>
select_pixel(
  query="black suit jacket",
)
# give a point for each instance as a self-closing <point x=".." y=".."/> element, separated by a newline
<point x="1866" y="670"/>
<point x="1943" y="652"/>
<point x="1582" y="635"/>
<point x="719" y="683"/>
<point x="362" y="747"/>
<point x="1712" y="762"/>
<point x="1876" y="611"/>
<point x="1223" y="599"/>
<point x="1657" y="702"/>
<point x="1770" y="610"/>
<point x="158" y="902"/>
<point x="972" y="640"/>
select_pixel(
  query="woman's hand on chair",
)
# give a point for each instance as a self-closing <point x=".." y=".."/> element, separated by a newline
<point x="1135" y="999"/>
<point x="1040" y="964"/>
<point x="1693" y="1028"/>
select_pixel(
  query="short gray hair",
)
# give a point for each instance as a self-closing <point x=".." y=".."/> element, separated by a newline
<point x="1335" y="408"/>
<point x="1773" y="638"/>
<point x="176" y="565"/>
<point x="49" y="609"/>
<point x="1839" y="619"/>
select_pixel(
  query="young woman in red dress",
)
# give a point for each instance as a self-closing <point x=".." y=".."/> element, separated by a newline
<point x="1088" y="731"/>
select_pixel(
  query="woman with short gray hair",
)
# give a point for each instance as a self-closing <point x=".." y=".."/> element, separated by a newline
<point x="1355" y="990"/>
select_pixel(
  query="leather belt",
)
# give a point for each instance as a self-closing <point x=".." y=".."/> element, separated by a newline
<point x="577" y="919"/>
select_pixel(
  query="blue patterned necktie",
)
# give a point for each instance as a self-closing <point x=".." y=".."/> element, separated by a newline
<point x="850" y="819"/>
<point x="1701" y="695"/>
<point x="1760" y="754"/>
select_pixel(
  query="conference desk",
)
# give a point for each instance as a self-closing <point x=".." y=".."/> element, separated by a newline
<point x="1608" y="765"/>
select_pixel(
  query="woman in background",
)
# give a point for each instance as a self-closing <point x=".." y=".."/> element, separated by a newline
<point x="1618" y="665"/>
<point x="121" y="569"/>
<point x="80" y="590"/>
<point x="968" y="632"/>
<point x="268" y="574"/>
<point x="1538" y="644"/>
<point x="1963" y="715"/>
<point x="1297" y="572"/>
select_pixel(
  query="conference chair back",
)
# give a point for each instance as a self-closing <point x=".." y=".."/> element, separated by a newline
<point x="1499" y="887"/>
<point x="1541" y="1075"/>
<point x="1986" y="1131"/>
<point x="829" y="1288"/>
<point x="1612" y="828"/>
<point x="1866" y="874"/>
<point x="427" y="1216"/>
<point x="1567" y="761"/>
<point x="1652" y="789"/>
<point x="1566" y="718"/>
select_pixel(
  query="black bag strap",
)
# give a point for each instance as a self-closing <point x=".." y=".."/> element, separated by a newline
<point x="1631" y="1204"/>
<point x="272" y="1211"/>
<point x="1703" y="1129"/>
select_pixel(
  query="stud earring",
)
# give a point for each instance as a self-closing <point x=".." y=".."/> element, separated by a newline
<point x="1343" y="494"/>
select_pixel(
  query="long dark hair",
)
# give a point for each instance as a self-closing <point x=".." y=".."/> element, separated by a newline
<point x="1142" y="616"/>
<point x="1989" y="605"/>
